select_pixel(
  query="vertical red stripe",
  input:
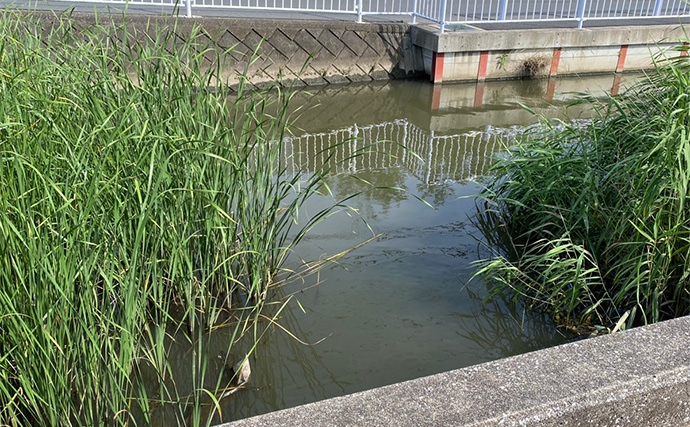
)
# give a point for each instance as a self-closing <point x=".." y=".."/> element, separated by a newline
<point x="436" y="98"/>
<point x="616" y="85"/>
<point x="556" y="61"/>
<point x="621" y="58"/>
<point x="437" y="67"/>
<point x="551" y="89"/>
<point x="483" y="64"/>
<point x="479" y="95"/>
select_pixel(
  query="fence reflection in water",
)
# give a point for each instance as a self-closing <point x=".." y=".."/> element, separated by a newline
<point x="429" y="157"/>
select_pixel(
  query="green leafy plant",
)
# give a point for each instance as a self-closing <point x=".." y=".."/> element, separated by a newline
<point x="502" y="61"/>
<point x="142" y="204"/>
<point x="591" y="219"/>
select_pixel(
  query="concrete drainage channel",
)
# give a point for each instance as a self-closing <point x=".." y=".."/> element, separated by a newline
<point x="638" y="377"/>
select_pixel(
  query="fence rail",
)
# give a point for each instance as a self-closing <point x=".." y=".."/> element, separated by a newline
<point x="449" y="13"/>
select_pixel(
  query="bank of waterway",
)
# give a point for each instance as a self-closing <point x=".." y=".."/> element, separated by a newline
<point x="400" y="307"/>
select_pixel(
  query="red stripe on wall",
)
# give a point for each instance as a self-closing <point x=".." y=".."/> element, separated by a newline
<point x="437" y="67"/>
<point x="621" y="58"/>
<point x="483" y="64"/>
<point x="556" y="61"/>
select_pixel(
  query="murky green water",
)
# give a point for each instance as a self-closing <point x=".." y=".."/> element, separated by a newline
<point x="402" y="306"/>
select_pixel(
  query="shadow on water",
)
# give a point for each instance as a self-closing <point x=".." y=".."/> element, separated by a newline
<point x="402" y="306"/>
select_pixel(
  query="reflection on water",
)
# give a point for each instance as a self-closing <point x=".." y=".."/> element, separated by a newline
<point x="399" y="144"/>
<point x="401" y="306"/>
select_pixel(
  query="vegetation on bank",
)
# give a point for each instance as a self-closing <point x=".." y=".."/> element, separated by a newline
<point x="141" y="202"/>
<point x="593" y="219"/>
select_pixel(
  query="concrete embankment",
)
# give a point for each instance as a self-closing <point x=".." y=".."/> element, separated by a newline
<point x="473" y="54"/>
<point x="269" y="50"/>
<point x="311" y="52"/>
<point x="639" y="377"/>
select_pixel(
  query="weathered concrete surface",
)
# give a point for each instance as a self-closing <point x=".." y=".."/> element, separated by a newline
<point x="270" y="50"/>
<point x="474" y="54"/>
<point x="635" y="378"/>
<point x="314" y="52"/>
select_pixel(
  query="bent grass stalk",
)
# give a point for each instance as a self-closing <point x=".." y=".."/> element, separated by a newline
<point x="593" y="221"/>
<point x="140" y="201"/>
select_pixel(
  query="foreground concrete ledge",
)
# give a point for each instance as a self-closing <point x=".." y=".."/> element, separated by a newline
<point x="637" y="377"/>
<point x="481" y="40"/>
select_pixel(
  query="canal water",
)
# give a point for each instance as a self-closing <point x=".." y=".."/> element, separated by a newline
<point x="401" y="306"/>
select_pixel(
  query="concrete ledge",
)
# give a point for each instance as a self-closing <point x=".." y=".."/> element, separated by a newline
<point x="481" y="40"/>
<point x="638" y="377"/>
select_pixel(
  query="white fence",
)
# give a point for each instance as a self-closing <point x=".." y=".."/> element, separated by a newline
<point x="478" y="11"/>
<point x="448" y="13"/>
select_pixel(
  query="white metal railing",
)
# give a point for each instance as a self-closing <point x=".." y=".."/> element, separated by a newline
<point x="478" y="11"/>
<point x="449" y="12"/>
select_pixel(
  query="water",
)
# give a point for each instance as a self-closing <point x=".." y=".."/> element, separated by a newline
<point x="401" y="306"/>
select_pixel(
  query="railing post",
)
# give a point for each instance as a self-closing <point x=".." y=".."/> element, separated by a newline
<point x="657" y="7"/>
<point x="443" y="15"/>
<point x="581" y="12"/>
<point x="504" y="10"/>
<point x="188" y="6"/>
<point x="359" y="11"/>
<point x="414" y="12"/>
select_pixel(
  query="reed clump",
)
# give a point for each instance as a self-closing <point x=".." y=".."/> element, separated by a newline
<point x="592" y="219"/>
<point x="139" y="200"/>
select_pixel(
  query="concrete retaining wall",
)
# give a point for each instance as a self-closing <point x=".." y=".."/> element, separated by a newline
<point x="636" y="378"/>
<point x="305" y="52"/>
<point x="320" y="52"/>
<point x="476" y="55"/>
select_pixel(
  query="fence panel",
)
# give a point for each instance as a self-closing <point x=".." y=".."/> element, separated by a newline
<point x="449" y="12"/>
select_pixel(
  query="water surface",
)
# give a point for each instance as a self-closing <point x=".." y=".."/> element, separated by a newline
<point x="401" y="306"/>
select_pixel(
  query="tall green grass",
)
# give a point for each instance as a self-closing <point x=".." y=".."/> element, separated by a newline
<point x="592" y="220"/>
<point x="141" y="202"/>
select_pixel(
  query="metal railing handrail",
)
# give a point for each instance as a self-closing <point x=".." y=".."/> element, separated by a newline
<point x="448" y="13"/>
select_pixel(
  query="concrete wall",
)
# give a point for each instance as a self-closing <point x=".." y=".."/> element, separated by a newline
<point x="320" y="52"/>
<point x="639" y="377"/>
<point x="305" y="52"/>
<point x="476" y="55"/>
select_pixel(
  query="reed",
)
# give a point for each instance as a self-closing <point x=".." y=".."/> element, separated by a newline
<point x="140" y="201"/>
<point x="593" y="219"/>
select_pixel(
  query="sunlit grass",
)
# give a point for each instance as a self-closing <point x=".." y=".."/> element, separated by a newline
<point x="593" y="220"/>
<point x="139" y="200"/>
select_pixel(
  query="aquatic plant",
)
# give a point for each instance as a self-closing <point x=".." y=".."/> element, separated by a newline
<point x="593" y="219"/>
<point x="142" y="202"/>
